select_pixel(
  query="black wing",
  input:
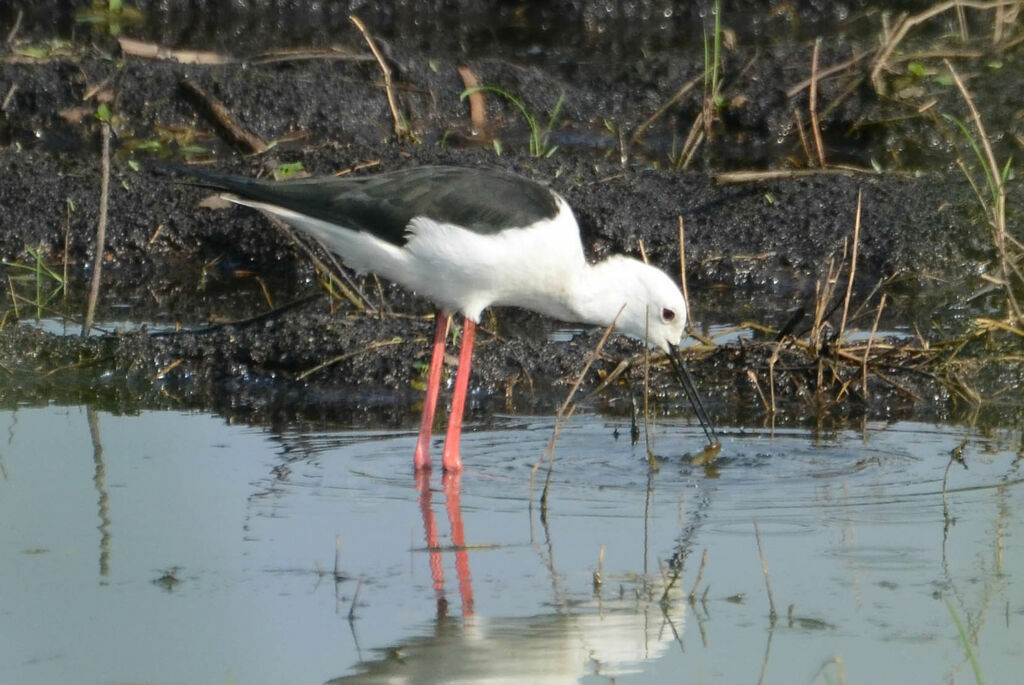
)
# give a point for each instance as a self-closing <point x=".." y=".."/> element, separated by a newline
<point x="482" y="200"/>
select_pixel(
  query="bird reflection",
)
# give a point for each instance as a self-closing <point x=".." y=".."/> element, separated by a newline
<point x="451" y="485"/>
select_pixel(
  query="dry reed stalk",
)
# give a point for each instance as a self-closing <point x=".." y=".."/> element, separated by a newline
<point x="700" y="575"/>
<point x="853" y="271"/>
<point x="907" y="23"/>
<point x="101" y="233"/>
<point x="764" y="569"/>
<point x="686" y="88"/>
<point x="999" y="210"/>
<point x="867" y="349"/>
<point x="799" y="120"/>
<point x="647" y="390"/>
<point x="400" y="126"/>
<point x="565" y="412"/>
<point x="682" y="270"/>
<point x="813" y="106"/>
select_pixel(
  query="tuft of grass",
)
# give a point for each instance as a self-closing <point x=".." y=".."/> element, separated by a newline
<point x="46" y="282"/>
<point x="539" y="135"/>
<point x="995" y="178"/>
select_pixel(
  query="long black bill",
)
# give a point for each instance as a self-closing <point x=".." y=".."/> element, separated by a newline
<point x="675" y="358"/>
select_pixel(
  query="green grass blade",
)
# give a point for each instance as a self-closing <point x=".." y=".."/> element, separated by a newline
<point x="966" y="644"/>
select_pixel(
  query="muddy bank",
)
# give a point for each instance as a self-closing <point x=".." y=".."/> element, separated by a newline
<point x="210" y="284"/>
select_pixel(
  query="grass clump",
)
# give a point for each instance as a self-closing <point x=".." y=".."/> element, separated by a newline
<point x="539" y="135"/>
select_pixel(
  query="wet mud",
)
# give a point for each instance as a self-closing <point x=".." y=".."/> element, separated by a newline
<point x="233" y="315"/>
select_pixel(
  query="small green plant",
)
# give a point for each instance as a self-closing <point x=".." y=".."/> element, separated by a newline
<point x="712" y="61"/>
<point x="284" y="172"/>
<point x="109" y="14"/>
<point x="538" y="135"/>
<point x="47" y="282"/>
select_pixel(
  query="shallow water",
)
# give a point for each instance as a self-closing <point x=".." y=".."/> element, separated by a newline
<point x="174" y="548"/>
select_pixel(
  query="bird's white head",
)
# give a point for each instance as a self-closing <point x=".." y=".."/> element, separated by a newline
<point x="654" y="305"/>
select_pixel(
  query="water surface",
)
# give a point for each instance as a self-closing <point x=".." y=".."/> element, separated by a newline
<point x="175" y="548"/>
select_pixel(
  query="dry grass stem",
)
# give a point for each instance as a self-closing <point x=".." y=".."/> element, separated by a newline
<point x="7" y="98"/>
<point x="145" y="50"/>
<point x="337" y="277"/>
<point x="337" y="557"/>
<point x="376" y="345"/>
<point x="566" y="411"/>
<point x="682" y="271"/>
<point x="825" y="73"/>
<point x="248" y="141"/>
<point x="647" y="390"/>
<point x="12" y="34"/>
<point x="101" y="233"/>
<point x="355" y="598"/>
<point x="660" y="112"/>
<point x="726" y="177"/>
<point x="867" y="348"/>
<point x="813" y="106"/>
<point x="907" y="23"/>
<point x="700" y="575"/>
<point x="401" y="127"/>
<point x="853" y="270"/>
<point x="998" y="210"/>
<point x="772" y="614"/>
<point x="477" y="103"/>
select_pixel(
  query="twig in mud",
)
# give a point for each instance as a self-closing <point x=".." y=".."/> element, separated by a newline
<point x="247" y="140"/>
<point x="813" y="106"/>
<point x="400" y="125"/>
<point x="139" y="48"/>
<point x="772" y="615"/>
<point x="101" y="233"/>
<point x="867" y="349"/>
<point x="565" y="412"/>
<point x="775" y="174"/>
<point x="853" y="271"/>
<point x="334" y="53"/>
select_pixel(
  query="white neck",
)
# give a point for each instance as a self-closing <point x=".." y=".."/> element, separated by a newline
<point x="599" y="292"/>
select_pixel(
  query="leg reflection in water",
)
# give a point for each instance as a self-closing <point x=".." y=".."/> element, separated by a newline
<point x="451" y="485"/>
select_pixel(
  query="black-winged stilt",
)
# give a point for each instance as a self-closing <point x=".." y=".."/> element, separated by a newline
<point x="468" y="239"/>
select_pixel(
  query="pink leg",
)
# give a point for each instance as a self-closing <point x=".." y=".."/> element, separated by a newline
<point x="451" y="458"/>
<point x="421" y="457"/>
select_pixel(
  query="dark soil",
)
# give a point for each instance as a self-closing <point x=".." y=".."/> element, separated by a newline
<point x="763" y="246"/>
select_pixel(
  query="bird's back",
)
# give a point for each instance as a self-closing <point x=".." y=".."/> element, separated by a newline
<point x="481" y="200"/>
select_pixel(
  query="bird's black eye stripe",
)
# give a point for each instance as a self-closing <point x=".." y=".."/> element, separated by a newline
<point x="668" y="314"/>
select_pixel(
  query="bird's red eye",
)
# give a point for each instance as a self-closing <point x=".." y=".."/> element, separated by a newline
<point x="668" y="314"/>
